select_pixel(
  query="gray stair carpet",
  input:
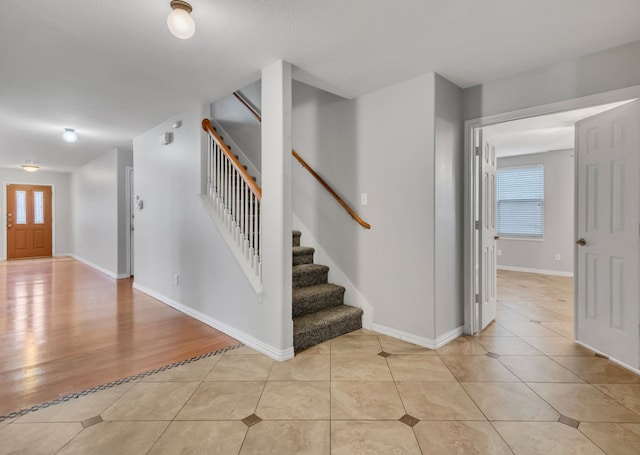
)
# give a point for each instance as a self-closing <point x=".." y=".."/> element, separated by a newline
<point x="319" y="312"/>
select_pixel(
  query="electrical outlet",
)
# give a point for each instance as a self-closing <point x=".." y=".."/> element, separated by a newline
<point x="176" y="279"/>
<point x="364" y="199"/>
<point x="498" y="252"/>
<point x="558" y="258"/>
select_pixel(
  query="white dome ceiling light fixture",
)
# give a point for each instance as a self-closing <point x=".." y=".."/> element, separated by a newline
<point x="180" y="22"/>
<point x="30" y="166"/>
<point x="69" y="135"/>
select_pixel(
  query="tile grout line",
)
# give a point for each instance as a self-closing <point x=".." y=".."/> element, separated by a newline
<point x="179" y="410"/>
<point x="266" y="380"/>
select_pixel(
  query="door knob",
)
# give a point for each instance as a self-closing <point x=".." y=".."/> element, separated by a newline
<point x="581" y="242"/>
<point x="496" y="237"/>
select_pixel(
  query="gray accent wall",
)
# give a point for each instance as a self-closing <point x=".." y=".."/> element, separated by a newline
<point x="539" y="255"/>
<point x="591" y="74"/>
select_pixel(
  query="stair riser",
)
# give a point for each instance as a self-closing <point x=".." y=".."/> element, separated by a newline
<point x="311" y="304"/>
<point x="303" y="259"/>
<point x="313" y="337"/>
<point x="311" y="278"/>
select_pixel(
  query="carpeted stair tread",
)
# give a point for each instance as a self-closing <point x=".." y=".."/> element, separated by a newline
<point x="314" y="328"/>
<point x="301" y="250"/>
<point x="296" y="238"/>
<point x="309" y="275"/>
<point x="303" y="255"/>
<point x="315" y="298"/>
<point x="318" y="312"/>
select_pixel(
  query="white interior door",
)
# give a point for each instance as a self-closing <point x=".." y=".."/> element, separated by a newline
<point x="607" y="226"/>
<point x="488" y="236"/>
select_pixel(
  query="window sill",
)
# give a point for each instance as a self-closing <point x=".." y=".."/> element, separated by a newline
<point x="526" y="239"/>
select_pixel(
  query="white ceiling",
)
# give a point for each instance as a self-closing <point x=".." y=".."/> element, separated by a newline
<point x="112" y="70"/>
<point x="544" y="133"/>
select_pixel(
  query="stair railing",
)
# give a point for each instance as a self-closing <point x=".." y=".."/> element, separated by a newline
<point x="304" y="164"/>
<point x="235" y="196"/>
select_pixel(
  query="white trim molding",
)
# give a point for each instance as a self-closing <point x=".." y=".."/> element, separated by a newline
<point x="260" y="346"/>
<point x="428" y="343"/>
<point x="539" y="271"/>
<point x="99" y="268"/>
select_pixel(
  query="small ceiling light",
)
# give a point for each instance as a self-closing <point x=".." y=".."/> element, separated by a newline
<point x="180" y="22"/>
<point x="30" y="166"/>
<point x="69" y="135"/>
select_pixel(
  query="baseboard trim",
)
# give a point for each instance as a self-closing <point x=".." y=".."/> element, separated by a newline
<point x="429" y="343"/>
<point x="254" y="343"/>
<point x="95" y="266"/>
<point x="539" y="271"/>
<point x="613" y="359"/>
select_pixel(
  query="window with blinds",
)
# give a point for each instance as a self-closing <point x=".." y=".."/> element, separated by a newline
<point x="521" y="201"/>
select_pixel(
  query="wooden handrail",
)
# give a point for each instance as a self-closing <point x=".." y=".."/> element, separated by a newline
<point x="304" y="164"/>
<point x="248" y="106"/>
<point x="253" y="186"/>
<point x="326" y="186"/>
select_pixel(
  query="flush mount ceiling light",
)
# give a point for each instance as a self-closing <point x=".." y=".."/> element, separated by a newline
<point x="69" y="135"/>
<point x="30" y="166"/>
<point x="180" y="22"/>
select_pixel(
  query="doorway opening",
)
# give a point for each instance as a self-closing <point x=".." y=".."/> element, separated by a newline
<point x="29" y="221"/>
<point x="524" y="278"/>
<point x="129" y="221"/>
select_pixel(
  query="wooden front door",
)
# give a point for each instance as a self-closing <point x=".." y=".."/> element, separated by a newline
<point x="29" y="221"/>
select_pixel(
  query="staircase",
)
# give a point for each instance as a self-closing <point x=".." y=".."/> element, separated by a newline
<point x="319" y="312"/>
<point x="234" y="199"/>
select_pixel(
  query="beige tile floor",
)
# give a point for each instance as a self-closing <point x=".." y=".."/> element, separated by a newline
<point x="519" y="387"/>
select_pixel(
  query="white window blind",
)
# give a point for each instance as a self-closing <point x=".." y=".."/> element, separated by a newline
<point x="521" y="201"/>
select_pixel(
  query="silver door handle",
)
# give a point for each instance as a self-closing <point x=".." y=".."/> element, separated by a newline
<point x="581" y="242"/>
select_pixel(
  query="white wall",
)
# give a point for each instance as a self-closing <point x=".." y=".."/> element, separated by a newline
<point x="539" y="255"/>
<point x="275" y="207"/>
<point x="61" y="183"/>
<point x="401" y="146"/>
<point x="239" y="123"/>
<point x="174" y="235"/>
<point x="449" y="204"/>
<point x="587" y="75"/>
<point x="95" y="212"/>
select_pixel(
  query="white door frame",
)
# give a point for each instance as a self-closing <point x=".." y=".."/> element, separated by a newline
<point x="128" y="208"/>
<point x="471" y="174"/>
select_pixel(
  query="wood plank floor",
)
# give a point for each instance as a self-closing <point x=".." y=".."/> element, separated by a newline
<point x="65" y="327"/>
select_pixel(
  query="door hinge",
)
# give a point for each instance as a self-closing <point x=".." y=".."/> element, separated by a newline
<point x="478" y="150"/>
<point x="477" y="298"/>
<point x="477" y="224"/>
